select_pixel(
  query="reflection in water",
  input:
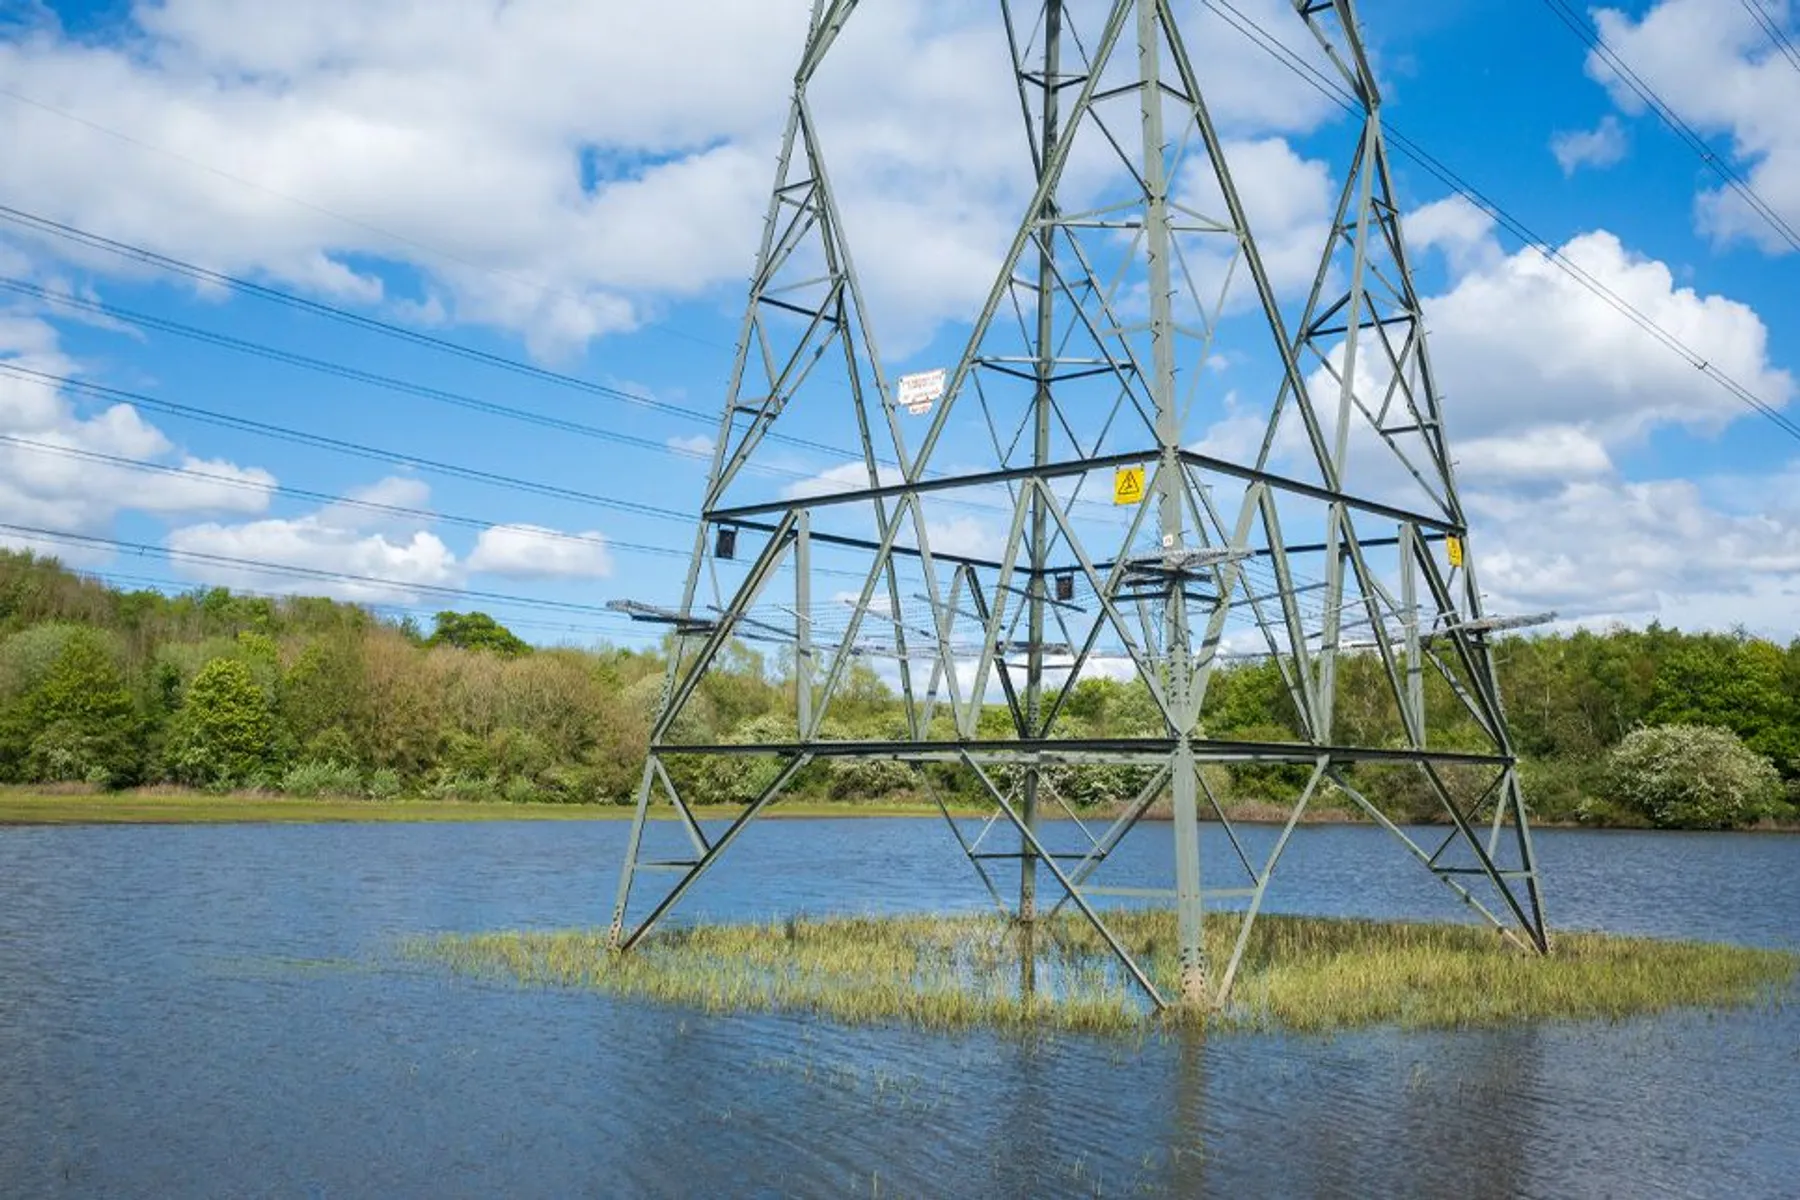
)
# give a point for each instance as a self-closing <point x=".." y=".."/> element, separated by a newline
<point x="1184" y="1141"/>
<point x="216" y="1012"/>
<point x="1027" y="936"/>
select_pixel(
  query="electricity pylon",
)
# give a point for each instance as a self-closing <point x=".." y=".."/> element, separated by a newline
<point x="1334" y="545"/>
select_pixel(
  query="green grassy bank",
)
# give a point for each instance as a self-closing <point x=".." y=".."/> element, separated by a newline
<point x="167" y="807"/>
<point x="1304" y="974"/>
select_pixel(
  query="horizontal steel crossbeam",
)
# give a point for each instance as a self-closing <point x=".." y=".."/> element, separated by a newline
<point x="1049" y="750"/>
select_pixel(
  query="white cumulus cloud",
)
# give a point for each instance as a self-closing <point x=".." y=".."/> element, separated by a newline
<point x="1717" y="69"/>
<point x="1602" y="146"/>
<point x="697" y="445"/>
<point x="535" y="552"/>
<point x="64" y="468"/>
<point x="329" y="559"/>
<point x="845" y="477"/>
<point x="554" y="168"/>
<point x="1520" y="343"/>
<point x="1546" y="389"/>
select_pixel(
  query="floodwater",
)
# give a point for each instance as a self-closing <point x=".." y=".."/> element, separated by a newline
<point x="218" y="1011"/>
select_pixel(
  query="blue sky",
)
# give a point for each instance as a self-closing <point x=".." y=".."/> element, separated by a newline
<point x="580" y="186"/>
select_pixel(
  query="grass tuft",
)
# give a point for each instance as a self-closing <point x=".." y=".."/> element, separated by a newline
<point x="1307" y="974"/>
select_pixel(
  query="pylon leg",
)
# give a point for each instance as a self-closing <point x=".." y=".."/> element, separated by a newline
<point x="1189" y="904"/>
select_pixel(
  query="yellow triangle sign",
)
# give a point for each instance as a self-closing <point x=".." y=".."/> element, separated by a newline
<point x="1128" y="485"/>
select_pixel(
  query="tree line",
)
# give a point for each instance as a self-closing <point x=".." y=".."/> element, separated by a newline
<point x="213" y="689"/>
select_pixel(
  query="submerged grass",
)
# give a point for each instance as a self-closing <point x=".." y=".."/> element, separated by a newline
<point x="1301" y="973"/>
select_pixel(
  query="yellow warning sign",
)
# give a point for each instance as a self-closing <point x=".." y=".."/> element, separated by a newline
<point x="1128" y="485"/>
<point x="1454" y="546"/>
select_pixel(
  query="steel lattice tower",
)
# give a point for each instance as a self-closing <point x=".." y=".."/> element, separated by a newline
<point x="1336" y="543"/>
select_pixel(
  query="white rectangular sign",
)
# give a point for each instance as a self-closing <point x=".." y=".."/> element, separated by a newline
<point x="918" y="392"/>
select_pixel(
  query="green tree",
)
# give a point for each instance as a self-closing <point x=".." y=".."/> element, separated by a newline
<point x="1735" y="682"/>
<point x="85" y="726"/>
<point x="1247" y="696"/>
<point x="1691" y="777"/>
<point x="321" y="699"/>
<point x="225" y="732"/>
<point x="740" y="689"/>
<point x="476" y="631"/>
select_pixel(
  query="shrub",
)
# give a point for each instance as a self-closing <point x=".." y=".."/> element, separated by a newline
<point x="1788" y="808"/>
<point x="460" y="785"/>
<point x="321" y="699"/>
<point x="333" y="745"/>
<point x="725" y="778"/>
<point x="385" y="784"/>
<point x="1109" y="783"/>
<point x="519" y="789"/>
<point x="1691" y="777"/>
<point x="1563" y="789"/>
<point x="326" y="778"/>
<point x="1604" y="814"/>
<point x="868" y="778"/>
<point x="569" y="785"/>
<point x="1277" y="782"/>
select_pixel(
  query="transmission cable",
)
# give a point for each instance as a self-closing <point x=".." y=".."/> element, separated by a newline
<point x="506" y="276"/>
<point x="30" y="532"/>
<point x="58" y="300"/>
<point x="1597" y="43"/>
<point x="69" y="232"/>
<point x="366" y="323"/>
<point x="178" y="266"/>
<point x="338" y="445"/>
<point x="1777" y="34"/>
<point x="625" y="628"/>
<point x="243" y="483"/>
<point x="1430" y="163"/>
<point x="427" y="515"/>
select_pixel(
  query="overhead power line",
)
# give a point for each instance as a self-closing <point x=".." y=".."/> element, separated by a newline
<point x="338" y="445"/>
<point x="63" y="300"/>
<point x="242" y="483"/>
<point x="239" y="482"/>
<point x="506" y="276"/>
<point x="68" y="537"/>
<point x="57" y="299"/>
<point x="60" y="300"/>
<point x="1597" y="43"/>
<point x="163" y="262"/>
<point x="401" y="385"/>
<point x="1775" y="32"/>
<point x="1250" y="29"/>
<point x="178" y="266"/>
<point x="332" y="312"/>
<point x="622" y="628"/>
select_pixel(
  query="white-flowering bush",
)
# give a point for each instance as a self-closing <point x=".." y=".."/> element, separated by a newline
<point x="1691" y="777"/>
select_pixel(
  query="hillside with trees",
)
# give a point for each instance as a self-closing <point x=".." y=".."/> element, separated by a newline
<point x="117" y="689"/>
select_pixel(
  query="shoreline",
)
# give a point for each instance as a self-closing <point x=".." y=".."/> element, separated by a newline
<point x="22" y="807"/>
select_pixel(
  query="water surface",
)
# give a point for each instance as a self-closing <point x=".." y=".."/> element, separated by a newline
<point x="216" y="1011"/>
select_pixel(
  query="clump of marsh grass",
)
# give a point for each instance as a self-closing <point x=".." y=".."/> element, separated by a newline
<point x="1301" y="973"/>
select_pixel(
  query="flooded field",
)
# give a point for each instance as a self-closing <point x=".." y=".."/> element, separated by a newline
<point x="222" y="1011"/>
